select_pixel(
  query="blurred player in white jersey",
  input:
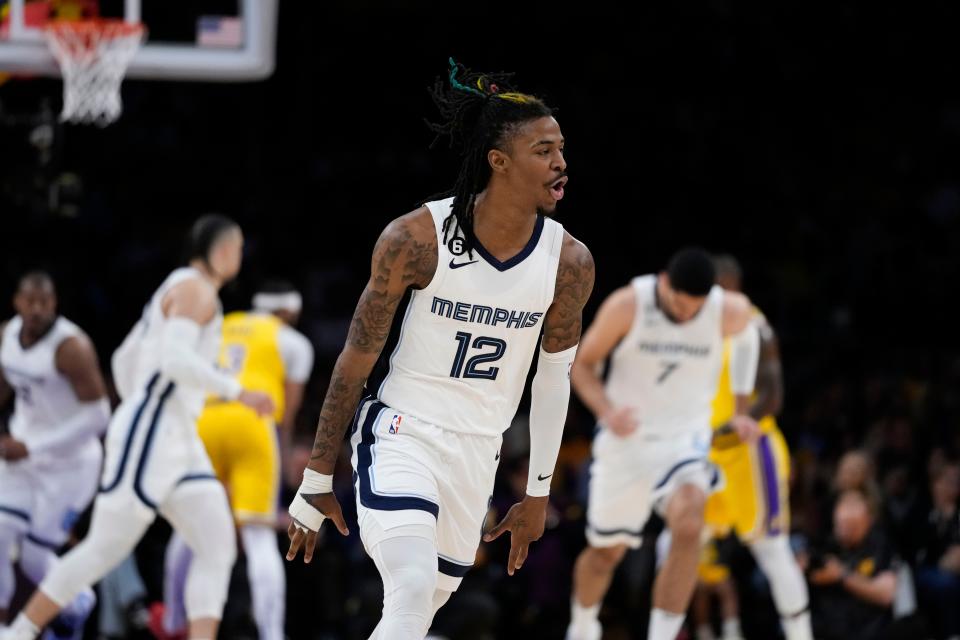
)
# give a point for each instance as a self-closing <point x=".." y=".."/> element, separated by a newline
<point x="155" y="461"/>
<point x="264" y="352"/>
<point x="664" y="337"/>
<point x="485" y="272"/>
<point x="50" y="461"/>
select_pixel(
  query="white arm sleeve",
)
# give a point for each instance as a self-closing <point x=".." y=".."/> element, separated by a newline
<point x="179" y="360"/>
<point x="123" y="363"/>
<point x="296" y="353"/>
<point x="89" y="421"/>
<point x="549" y="397"/>
<point x="744" y="359"/>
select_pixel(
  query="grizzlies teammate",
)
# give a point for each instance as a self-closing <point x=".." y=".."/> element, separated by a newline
<point x="664" y="337"/>
<point x="264" y="352"/>
<point x="155" y="462"/>
<point x="50" y="461"/>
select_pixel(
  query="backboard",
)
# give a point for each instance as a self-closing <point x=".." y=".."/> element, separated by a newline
<point x="204" y="40"/>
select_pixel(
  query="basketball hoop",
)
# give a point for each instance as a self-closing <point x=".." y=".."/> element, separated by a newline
<point x="93" y="56"/>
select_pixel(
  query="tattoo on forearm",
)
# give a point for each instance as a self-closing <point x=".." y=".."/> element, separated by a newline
<point x="343" y="394"/>
<point x="564" y="320"/>
<point x="400" y="260"/>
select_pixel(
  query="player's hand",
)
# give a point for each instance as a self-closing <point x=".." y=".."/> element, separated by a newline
<point x="746" y="427"/>
<point x="525" y="522"/>
<point x="12" y="450"/>
<point x="307" y="513"/>
<point x="258" y="401"/>
<point x="622" y="421"/>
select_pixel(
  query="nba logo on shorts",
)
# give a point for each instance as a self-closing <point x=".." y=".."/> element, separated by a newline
<point x="395" y="424"/>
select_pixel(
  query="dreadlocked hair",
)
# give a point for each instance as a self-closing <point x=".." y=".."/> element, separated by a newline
<point x="479" y="112"/>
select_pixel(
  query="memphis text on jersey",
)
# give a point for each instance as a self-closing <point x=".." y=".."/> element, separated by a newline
<point x="480" y="314"/>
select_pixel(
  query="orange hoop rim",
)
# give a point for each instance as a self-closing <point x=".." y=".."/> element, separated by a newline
<point x="105" y="28"/>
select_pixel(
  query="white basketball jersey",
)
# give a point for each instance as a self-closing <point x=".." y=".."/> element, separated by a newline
<point x="44" y="397"/>
<point x="669" y="372"/>
<point x="142" y="347"/>
<point x="467" y="339"/>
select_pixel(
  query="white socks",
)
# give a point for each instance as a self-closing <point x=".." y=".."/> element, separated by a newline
<point x="584" y="622"/>
<point x="664" y="625"/>
<point x="20" y="629"/>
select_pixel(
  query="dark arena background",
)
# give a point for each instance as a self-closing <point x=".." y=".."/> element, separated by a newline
<point x="820" y="147"/>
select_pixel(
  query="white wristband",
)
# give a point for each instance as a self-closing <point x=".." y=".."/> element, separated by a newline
<point x="303" y="513"/>
<point x="314" y="482"/>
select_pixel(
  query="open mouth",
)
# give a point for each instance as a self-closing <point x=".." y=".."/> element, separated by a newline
<point x="556" y="188"/>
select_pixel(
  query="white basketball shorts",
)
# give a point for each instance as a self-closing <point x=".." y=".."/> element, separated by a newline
<point x="632" y="476"/>
<point x="411" y="472"/>
<point x="151" y="447"/>
<point x="43" y="498"/>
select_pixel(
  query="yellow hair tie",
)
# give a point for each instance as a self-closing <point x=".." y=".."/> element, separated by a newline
<point x="519" y="98"/>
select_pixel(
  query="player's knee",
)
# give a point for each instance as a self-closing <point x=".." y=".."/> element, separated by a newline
<point x="420" y="583"/>
<point x="605" y="559"/>
<point x="687" y="528"/>
<point x="685" y="514"/>
<point x="110" y="544"/>
<point x="220" y="552"/>
<point x="217" y="543"/>
<point x="412" y="592"/>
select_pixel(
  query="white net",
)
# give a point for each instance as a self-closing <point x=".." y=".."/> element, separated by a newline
<point x="93" y="57"/>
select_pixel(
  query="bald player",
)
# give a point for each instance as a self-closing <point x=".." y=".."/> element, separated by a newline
<point x="50" y="460"/>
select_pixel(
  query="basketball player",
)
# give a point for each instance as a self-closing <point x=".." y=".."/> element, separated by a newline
<point x="664" y="337"/>
<point x="755" y="502"/>
<point x="155" y="461"/>
<point x="50" y="462"/>
<point x="485" y="271"/>
<point x="264" y="352"/>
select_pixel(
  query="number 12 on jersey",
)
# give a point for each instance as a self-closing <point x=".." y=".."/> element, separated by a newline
<point x="472" y="369"/>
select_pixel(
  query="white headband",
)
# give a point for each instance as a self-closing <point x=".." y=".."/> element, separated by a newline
<point x="271" y="302"/>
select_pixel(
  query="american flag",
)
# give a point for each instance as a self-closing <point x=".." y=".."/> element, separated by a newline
<point x="219" y="31"/>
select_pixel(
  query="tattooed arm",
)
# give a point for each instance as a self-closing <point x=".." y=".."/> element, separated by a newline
<point x="404" y="256"/>
<point x="549" y="397"/>
<point x="564" y="319"/>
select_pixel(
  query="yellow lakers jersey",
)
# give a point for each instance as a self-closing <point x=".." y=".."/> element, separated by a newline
<point x="250" y="351"/>
<point x="724" y="402"/>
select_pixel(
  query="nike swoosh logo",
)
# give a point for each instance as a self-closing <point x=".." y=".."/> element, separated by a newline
<point x="454" y="265"/>
<point x="539" y="477"/>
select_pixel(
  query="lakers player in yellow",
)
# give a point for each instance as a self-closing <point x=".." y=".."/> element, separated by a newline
<point x="754" y="504"/>
<point x="265" y="353"/>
